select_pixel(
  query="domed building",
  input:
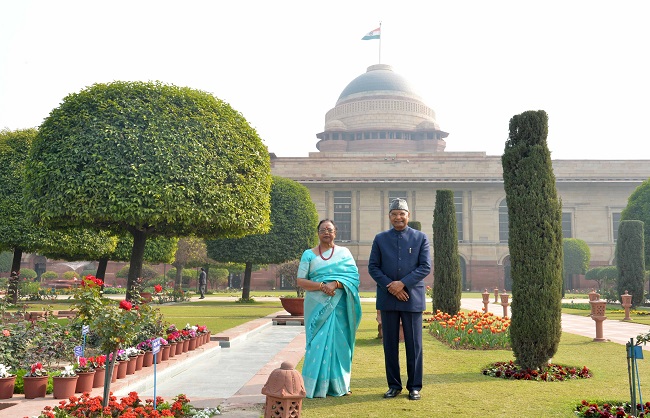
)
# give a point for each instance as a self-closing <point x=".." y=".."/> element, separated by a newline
<point x="382" y="142"/>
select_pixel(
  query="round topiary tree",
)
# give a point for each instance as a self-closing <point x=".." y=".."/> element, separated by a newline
<point x="149" y="159"/>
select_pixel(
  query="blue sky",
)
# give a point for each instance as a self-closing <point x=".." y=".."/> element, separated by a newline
<point x="283" y="64"/>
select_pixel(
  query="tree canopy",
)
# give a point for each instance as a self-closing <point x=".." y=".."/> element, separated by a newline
<point x="149" y="159"/>
<point x="294" y="229"/>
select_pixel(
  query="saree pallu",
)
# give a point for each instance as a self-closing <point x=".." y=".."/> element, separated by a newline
<point x="331" y="323"/>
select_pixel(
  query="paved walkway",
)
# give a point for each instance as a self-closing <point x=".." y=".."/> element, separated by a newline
<point x="232" y="375"/>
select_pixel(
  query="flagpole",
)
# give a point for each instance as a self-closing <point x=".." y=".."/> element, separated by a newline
<point x="380" y="42"/>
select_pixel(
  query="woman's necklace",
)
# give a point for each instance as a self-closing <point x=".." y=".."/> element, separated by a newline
<point x="321" y="253"/>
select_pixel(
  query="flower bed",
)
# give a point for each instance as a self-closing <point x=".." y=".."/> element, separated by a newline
<point x="129" y="406"/>
<point x="474" y="330"/>
<point x="550" y="373"/>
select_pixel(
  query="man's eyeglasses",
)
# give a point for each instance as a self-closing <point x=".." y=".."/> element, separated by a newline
<point x="328" y="230"/>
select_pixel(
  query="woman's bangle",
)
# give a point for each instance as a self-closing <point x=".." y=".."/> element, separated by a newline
<point x="338" y="285"/>
<point x="320" y="287"/>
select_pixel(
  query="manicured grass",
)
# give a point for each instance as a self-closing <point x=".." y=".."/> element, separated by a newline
<point x="454" y="385"/>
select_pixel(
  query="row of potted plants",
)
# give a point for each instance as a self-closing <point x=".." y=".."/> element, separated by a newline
<point x="89" y="373"/>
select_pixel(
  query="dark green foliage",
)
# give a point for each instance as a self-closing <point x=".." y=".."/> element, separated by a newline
<point x="535" y="240"/>
<point x="630" y="260"/>
<point x="5" y="261"/>
<point x="447" y="277"/>
<point x="576" y="255"/>
<point x="416" y="225"/>
<point x="294" y="219"/>
<point x="638" y="208"/>
<point x="149" y="159"/>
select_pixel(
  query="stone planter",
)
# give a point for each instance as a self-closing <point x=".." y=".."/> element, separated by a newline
<point x="64" y="386"/>
<point x="164" y="351"/>
<point x="130" y="366"/>
<point x="98" y="379"/>
<point x="148" y="359"/>
<point x="85" y="382"/>
<point x="295" y="306"/>
<point x="35" y="387"/>
<point x="7" y="387"/>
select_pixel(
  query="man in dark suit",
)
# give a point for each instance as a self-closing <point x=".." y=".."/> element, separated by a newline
<point x="203" y="282"/>
<point x="399" y="261"/>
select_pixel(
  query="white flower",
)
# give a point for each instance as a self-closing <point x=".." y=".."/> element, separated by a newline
<point x="4" y="371"/>
<point x="68" y="372"/>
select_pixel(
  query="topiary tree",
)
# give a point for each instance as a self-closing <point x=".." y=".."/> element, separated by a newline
<point x="218" y="278"/>
<point x="447" y="278"/>
<point x="535" y="241"/>
<point x="638" y="208"/>
<point x="294" y="229"/>
<point x="5" y="261"/>
<point x="149" y="159"/>
<point x="576" y="256"/>
<point x="630" y="260"/>
<point x="416" y="225"/>
<point x="49" y="275"/>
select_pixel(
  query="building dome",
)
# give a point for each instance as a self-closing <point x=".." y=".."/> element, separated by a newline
<point x="378" y="78"/>
<point x="380" y="112"/>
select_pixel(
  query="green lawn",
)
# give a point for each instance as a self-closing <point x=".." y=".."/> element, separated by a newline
<point x="454" y="385"/>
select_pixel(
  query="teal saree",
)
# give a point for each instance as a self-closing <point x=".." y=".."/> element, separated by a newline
<point x="331" y="322"/>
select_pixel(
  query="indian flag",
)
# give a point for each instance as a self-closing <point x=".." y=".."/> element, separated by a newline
<point x="373" y="34"/>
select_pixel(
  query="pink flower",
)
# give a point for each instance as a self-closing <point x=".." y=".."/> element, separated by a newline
<point x="126" y="305"/>
<point x="6" y="332"/>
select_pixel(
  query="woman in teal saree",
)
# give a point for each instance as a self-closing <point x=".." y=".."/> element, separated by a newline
<point x="330" y="277"/>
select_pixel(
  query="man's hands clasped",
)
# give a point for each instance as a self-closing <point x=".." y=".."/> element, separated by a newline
<point x="397" y="289"/>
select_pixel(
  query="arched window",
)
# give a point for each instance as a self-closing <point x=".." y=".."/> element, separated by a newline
<point x="503" y="221"/>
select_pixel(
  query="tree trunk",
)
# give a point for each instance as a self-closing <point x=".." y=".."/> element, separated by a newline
<point x="101" y="270"/>
<point x="179" y="275"/>
<point x="246" y="288"/>
<point x="15" y="267"/>
<point x="137" y="255"/>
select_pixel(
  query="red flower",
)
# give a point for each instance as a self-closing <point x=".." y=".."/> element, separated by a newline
<point x="126" y="305"/>
<point x="157" y="288"/>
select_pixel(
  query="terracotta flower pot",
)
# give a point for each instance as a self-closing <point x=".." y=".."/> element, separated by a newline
<point x="139" y="361"/>
<point x="295" y="306"/>
<point x="7" y="387"/>
<point x="158" y="356"/>
<point x="85" y="382"/>
<point x="121" y="369"/>
<point x="179" y="347"/>
<point x="192" y="344"/>
<point x="165" y="352"/>
<point x="64" y="387"/>
<point x="186" y="345"/>
<point x="130" y="365"/>
<point x="35" y="386"/>
<point x="114" y="375"/>
<point x="98" y="379"/>
<point x="172" y="349"/>
<point x="148" y="359"/>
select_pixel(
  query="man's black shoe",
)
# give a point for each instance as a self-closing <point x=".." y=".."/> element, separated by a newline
<point x="392" y="392"/>
<point x="414" y="395"/>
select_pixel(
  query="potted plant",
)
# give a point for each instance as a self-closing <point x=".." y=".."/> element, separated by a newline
<point x="174" y="338"/>
<point x="86" y="372"/>
<point x="145" y="346"/>
<point x="132" y="355"/>
<point x="64" y="382"/>
<point x="288" y="272"/>
<point x="99" y="364"/>
<point x="35" y="381"/>
<point x="7" y="382"/>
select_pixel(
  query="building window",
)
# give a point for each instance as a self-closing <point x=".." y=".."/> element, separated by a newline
<point x="343" y="215"/>
<point x="616" y="221"/>
<point x="503" y="221"/>
<point x="567" y="225"/>
<point x="458" y="205"/>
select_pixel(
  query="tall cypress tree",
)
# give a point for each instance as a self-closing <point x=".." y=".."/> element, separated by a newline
<point x="535" y="240"/>
<point x="630" y="260"/>
<point x="447" y="278"/>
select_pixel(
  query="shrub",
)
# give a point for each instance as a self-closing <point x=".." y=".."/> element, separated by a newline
<point x="28" y="274"/>
<point x="71" y="274"/>
<point x="49" y="275"/>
